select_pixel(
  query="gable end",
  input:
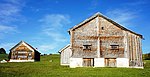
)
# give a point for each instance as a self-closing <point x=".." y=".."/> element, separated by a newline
<point x="108" y="19"/>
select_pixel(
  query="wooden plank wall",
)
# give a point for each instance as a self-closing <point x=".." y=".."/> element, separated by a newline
<point x="110" y="35"/>
<point x="135" y="52"/>
<point x="84" y="35"/>
<point x="21" y="48"/>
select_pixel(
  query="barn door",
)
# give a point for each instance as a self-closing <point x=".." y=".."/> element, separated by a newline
<point x="88" y="62"/>
<point x="110" y="62"/>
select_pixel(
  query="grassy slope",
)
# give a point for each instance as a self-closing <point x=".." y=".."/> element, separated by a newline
<point x="45" y="68"/>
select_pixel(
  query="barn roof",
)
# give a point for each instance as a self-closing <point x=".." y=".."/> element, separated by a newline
<point x="98" y="14"/>
<point x="21" y="42"/>
<point x="64" y="48"/>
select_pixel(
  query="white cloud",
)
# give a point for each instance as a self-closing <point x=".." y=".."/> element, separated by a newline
<point x="15" y="1"/>
<point x="47" y="47"/>
<point x="53" y="25"/>
<point x="55" y="20"/>
<point x="10" y="10"/>
<point x="122" y="16"/>
<point x="7" y="29"/>
<point x="56" y="36"/>
<point x="4" y="30"/>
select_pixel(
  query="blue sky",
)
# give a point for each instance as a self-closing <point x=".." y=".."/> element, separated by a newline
<point x="44" y="23"/>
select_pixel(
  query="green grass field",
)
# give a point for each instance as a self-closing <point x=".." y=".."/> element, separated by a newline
<point x="45" y="68"/>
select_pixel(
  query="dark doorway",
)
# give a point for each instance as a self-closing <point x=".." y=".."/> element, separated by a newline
<point x="88" y="62"/>
<point x="110" y="62"/>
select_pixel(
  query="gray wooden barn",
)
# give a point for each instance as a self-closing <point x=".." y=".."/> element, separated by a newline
<point x="101" y="42"/>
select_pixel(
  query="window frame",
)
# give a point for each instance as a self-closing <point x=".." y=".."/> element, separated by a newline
<point x="114" y="47"/>
<point x="87" y="47"/>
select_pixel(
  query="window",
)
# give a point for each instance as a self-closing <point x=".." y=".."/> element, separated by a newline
<point x="114" y="47"/>
<point x="23" y="52"/>
<point x="30" y="53"/>
<point x="87" y="47"/>
<point x="22" y="56"/>
<point x="102" y="28"/>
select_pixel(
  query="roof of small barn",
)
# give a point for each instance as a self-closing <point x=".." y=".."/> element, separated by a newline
<point x="64" y="48"/>
<point x="21" y="42"/>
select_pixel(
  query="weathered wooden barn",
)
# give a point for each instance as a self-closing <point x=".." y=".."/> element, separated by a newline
<point x="101" y="42"/>
<point x="65" y="55"/>
<point x="23" y="52"/>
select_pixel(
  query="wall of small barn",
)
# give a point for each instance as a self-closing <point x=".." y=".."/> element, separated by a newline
<point x="36" y="56"/>
<point x="21" y="48"/>
<point x="65" y="56"/>
<point x="75" y="62"/>
<point x="14" y="60"/>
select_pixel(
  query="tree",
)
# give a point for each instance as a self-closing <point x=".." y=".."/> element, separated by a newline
<point x="2" y="51"/>
<point x="147" y="56"/>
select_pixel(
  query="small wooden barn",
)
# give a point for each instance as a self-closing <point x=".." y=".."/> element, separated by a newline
<point x="65" y="55"/>
<point x="101" y="42"/>
<point x="23" y="52"/>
